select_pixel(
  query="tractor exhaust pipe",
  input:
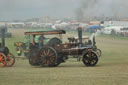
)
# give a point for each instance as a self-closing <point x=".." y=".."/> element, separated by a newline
<point x="3" y="36"/>
<point x="80" y="36"/>
<point x="94" y="41"/>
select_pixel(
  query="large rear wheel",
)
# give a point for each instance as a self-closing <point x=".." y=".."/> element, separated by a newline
<point x="10" y="60"/>
<point x="90" y="58"/>
<point x="2" y="60"/>
<point x="48" y="56"/>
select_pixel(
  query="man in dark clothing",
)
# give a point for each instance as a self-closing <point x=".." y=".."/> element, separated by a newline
<point x="41" y="39"/>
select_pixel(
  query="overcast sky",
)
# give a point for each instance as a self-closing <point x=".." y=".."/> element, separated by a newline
<point x="18" y="9"/>
<point x="24" y="9"/>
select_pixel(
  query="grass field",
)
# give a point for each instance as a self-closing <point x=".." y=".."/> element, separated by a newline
<point x="112" y="68"/>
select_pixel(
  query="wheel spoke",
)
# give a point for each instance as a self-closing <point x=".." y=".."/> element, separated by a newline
<point x="44" y="52"/>
<point x="48" y="52"/>
<point x="94" y="58"/>
<point x="41" y="54"/>
<point x="52" y="59"/>
<point x="51" y="54"/>
<point x="45" y="61"/>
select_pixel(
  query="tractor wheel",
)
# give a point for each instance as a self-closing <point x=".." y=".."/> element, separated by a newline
<point x="2" y="60"/>
<point x="98" y="51"/>
<point x="90" y="58"/>
<point x="33" y="56"/>
<point x="10" y="60"/>
<point x="48" y="57"/>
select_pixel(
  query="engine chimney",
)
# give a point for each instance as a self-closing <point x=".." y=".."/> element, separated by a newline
<point x="80" y="36"/>
<point x="94" y="41"/>
<point x="2" y="36"/>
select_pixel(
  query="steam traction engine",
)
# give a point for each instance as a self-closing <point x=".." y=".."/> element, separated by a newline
<point x="6" y="58"/>
<point x="54" y="52"/>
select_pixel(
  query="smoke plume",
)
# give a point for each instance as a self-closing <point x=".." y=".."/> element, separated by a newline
<point x="105" y="8"/>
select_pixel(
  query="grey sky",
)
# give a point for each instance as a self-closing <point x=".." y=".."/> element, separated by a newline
<point x="17" y="9"/>
<point x="24" y="9"/>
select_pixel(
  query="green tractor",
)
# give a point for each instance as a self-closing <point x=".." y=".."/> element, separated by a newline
<point x="22" y="48"/>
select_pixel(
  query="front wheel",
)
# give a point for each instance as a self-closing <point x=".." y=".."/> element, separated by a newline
<point x="90" y="58"/>
<point x="10" y="60"/>
<point x="2" y="60"/>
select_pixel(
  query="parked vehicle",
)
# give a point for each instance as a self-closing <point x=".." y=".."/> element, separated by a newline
<point x="6" y="58"/>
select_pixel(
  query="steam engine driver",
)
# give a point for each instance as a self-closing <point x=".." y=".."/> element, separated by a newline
<point x="41" y="40"/>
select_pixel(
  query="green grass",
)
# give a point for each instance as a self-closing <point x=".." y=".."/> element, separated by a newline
<point x="112" y="68"/>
